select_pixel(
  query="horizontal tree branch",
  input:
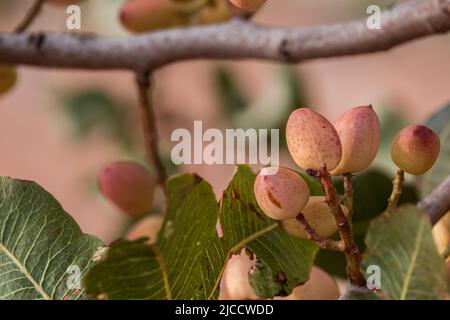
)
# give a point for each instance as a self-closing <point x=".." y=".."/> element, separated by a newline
<point x="237" y="39"/>
<point x="437" y="203"/>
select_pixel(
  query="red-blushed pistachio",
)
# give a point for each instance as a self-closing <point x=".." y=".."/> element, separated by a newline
<point x="320" y="286"/>
<point x="359" y="132"/>
<point x="281" y="195"/>
<point x="217" y="11"/>
<point x="415" y="149"/>
<point x="8" y="78"/>
<point x="312" y="140"/>
<point x="128" y="185"/>
<point x="235" y="284"/>
<point x="250" y="5"/>
<point x="147" y="15"/>
<point x="319" y="216"/>
<point x="148" y="227"/>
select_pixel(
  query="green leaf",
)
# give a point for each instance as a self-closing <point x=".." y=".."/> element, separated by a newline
<point x="391" y="123"/>
<point x="39" y="241"/>
<point x="441" y="168"/>
<point x="401" y="244"/>
<point x="133" y="267"/>
<point x="440" y="124"/>
<point x="172" y="269"/>
<point x="230" y="96"/>
<point x="439" y="120"/>
<point x="188" y="261"/>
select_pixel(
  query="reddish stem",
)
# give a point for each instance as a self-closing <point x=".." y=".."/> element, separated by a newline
<point x="351" y="251"/>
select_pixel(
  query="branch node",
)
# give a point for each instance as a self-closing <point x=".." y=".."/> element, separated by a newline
<point x="351" y="250"/>
<point x="312" y="234"/>
<point x="313" y="173"/>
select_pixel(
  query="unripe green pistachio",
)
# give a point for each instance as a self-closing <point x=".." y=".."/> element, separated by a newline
<point x="147" y="15"/>
<point x="8" y="78"/>
<point x="359" y="132"/>
<point x="320" y="286"/>
<point x="312" y="140"/>
<point x="148" y="227"/>
<point x="250" y="5"/>
<point x="319" y="216"/>
<point x="235" y="283"/>
<point x="415" y="149"/>
<point x="281" y="195"/>
<point x="129" y="186"/>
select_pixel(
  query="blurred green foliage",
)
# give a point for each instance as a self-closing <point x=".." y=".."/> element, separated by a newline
<point x="390" y="124"/>
<point x="440" y="124"/>
<point x="96" y="111"/>
<point x="270" y="109"/>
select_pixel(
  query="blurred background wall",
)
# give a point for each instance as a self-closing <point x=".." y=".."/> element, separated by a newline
<point x="59" y="127"/>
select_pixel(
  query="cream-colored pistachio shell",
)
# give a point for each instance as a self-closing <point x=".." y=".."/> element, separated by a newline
<point x="320" y="286"/>
<point x="235" y="284"/>
<point x="148" y="227"/>
<point x="359" y="132"/>
<point x="312" y="140"/>
<point x="281" y="195"/>
<point x="318" y="215"/>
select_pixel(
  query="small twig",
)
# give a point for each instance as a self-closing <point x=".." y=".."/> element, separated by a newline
<point x="30" y="16"/>
<point x="351" y="250"/>
<point x="348" y="195"/>
<point x="313" y="235"/>
<point x="149" y="125"/>
<point x="396" y="189"/>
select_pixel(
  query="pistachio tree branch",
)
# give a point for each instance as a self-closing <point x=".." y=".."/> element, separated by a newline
<point x="237" y="39"/>
<point x="149" y="125"/>
<point x="437" y="203"/>
<point x="30" y="16"/>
